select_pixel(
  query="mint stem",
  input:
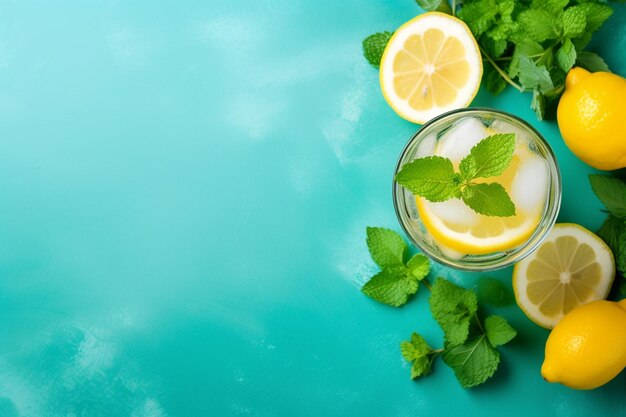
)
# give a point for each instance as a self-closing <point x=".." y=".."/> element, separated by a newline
<point x="427" y="284"/>
<point x="500" y="71"/>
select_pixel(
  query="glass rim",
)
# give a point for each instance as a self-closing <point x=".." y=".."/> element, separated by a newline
<point x="551" y="211"/>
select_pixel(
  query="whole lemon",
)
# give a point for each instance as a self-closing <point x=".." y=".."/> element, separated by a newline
<point x="591" y="116"/>
<point x="587" y="348"/>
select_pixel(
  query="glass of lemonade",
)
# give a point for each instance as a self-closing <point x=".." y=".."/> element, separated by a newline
<point x="455" y="235"/>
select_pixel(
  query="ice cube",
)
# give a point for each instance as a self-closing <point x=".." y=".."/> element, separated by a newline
<point x="454" y="211"/>
<point x="522" y="138"/>
<point x="426" y="147"/>
<point x="457" y="142"/>
<point x="530" y="184"/>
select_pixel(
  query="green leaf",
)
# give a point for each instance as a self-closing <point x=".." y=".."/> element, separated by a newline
<point x="573" y="20"/>
<point x="453" y="308"/>
<point x="566" y="55"/>
<point x="538" y="104"/>
<point x="591" y="62"/>
<point x="374" y="46"/>
<point x="494" y="48"/>
<point x="498" y="330"/>
<point x="611" y="192"/>
<point x="525" y="47"/>
<point x="554" y="7"/>
<point x="391" y="286"/>
<point x="479" y="15"/>
<point x="611" y="231"/>
<point x="622" y="287"/>
<point x="419" y="266"/>
<point x="533" y="77"/>
<point x="435" y="6"/>
<point x="494" y="81"/>
<point x="488" y="199"/>
<point x="582" y="41"/>
<point x="537" y="24"/>
<point x="419" y="353"/>
<point x="596" y="15"/>
<point x="432" y="177"/>
<point x="492" y="292"/>
<point x="489" y="157"/>
<point x="473" y="362"/>
<point x="386" y="247"/>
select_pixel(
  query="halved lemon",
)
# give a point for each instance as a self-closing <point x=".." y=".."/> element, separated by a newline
<point x="571" y="267"/>
<point x="431" y="65"/>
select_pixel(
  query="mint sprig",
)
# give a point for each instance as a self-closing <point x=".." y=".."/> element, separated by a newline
<point x="469" y="343"/>
<point x="435" y="179"/>
<point x="397" y="280"/>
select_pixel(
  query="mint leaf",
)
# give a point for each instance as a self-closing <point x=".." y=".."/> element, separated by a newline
<point x="611" y="192"/>
<point x="498" y="330"/>
<point x="473" y="362"/>
<point x="494" y="81"/>
<point x="596" y="15"/>
<point x="374" y="46"/>
<point x="488" y="199"/>
<point x="537" y="24"/>
<point x="533" y="77"/>
<point x="573" y="20"/>
<point x="538" y="104"/>
<point x="554" y="7"/>
<point x="419" y="353"/>
<point x="566" y="55"/>
<point x="478" y="15"/>
<point x="452" y="307"/>
<point x="386" y="247"/>
<point x="419" y="266"/>
<point x="611" y="231"/>
<point x="489" y="157"/>
<point x="525" y="47"/>
<point x="432" y="178"/>
<point x="435" y="6"/>
<point x="391" y="286"/>
<point x="492" y="292"/>
<point x="591" y="62"/>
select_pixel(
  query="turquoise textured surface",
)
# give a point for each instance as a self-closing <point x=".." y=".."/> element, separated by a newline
<point x="185" y="189"/>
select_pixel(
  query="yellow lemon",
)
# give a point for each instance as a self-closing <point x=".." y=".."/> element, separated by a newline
<point x="571" y="267"/>
<point x="587" y="348"/>
<point x="431" y="65"/>
<point x="591" y="115"/>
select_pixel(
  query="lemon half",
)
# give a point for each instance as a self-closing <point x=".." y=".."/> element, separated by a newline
<point x="571" y="267"/>
<point x="431" y="65"/>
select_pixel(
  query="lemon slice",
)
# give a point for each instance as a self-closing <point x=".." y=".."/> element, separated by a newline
<point x="431" y="65"/>
<point x="571" y="267"/>
<point x="483" y="236"/>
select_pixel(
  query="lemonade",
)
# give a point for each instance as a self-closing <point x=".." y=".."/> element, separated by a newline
<point x="457" y="235"/>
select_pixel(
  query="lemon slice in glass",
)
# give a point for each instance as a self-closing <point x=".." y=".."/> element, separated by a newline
<point x="571" y="267"/>
<point x="431" y="65"/>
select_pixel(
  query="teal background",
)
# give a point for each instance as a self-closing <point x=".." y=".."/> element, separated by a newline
<point x="185" y="189"/>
